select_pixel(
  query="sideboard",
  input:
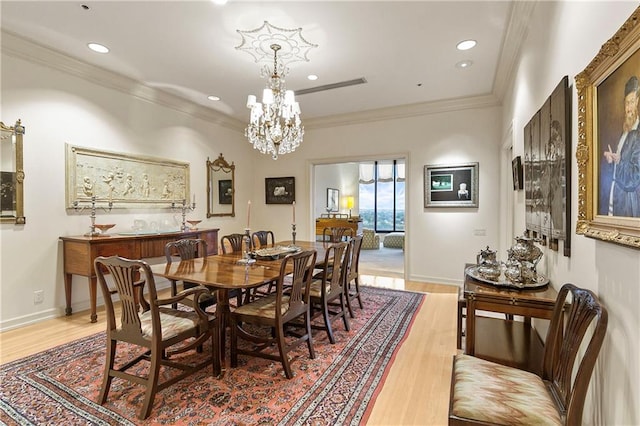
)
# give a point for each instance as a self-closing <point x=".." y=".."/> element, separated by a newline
<point x="80" y="251"/>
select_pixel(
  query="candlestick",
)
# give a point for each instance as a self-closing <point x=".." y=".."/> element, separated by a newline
<point x="249" y="214"/>
<point x="293" y="206"/>
<point x="293" y="233"/>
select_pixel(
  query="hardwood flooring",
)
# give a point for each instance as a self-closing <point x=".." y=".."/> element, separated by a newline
<point x="416" y="389"/>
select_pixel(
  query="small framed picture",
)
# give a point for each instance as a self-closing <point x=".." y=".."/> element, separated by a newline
<point x="225" y="191"/>
<point x="280" y="190"/>
<point x="333" y="195"/>
<point x="451" y="185"/>
<point x="516" y="170"/>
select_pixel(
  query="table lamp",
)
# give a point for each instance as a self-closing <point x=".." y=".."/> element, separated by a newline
<point x="350" y="202"/>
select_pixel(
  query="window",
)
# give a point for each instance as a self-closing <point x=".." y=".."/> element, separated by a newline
<point x="381" y="195"/>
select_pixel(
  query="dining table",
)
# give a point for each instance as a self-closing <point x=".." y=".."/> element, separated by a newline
<point x="226" y="272"/>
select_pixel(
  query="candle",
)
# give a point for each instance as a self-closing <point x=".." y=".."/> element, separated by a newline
<point x="293" y="206"/>
<point x="194" y="199"/>
<point x="248" y="214"/>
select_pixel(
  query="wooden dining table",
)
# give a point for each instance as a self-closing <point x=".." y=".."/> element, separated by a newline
<point x="226" y="272"/>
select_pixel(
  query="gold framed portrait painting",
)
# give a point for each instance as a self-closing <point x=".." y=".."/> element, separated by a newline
<point x="608" y="151"/>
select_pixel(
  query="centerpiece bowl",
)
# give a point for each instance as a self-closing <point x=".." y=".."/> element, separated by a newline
<point x="104" y="228"/>
<point x="194" y="224"/>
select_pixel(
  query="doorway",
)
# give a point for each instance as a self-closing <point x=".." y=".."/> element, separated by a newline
<point x="371" y="192"/>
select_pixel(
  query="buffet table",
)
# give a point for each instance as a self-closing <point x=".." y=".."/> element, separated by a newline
<point x="80" y="251"/>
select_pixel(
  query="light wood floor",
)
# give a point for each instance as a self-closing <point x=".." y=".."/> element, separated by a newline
<point x="416" y="390"/>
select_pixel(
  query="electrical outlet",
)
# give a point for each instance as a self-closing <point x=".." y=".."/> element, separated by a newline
<point x="480" y="232"/>
<point x="38" y="296"/>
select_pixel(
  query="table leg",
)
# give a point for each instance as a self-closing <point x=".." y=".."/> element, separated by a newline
<point x="93" y="292"/>
<point x="67" y="293"/>
<point x="470" y="338"/>
<point x="222" y="314"/>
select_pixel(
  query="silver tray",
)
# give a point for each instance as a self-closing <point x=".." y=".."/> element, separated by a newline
<point x="472" y="271"/>
<point x="274" y="253"/>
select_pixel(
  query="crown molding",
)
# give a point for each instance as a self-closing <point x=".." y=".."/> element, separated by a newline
<point x="29" y="50"/>
<point x="403" y="111"/>
<point x="516" y="33"/>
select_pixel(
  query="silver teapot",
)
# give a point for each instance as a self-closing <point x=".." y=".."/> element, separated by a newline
<point x="525" y="251"/>
<point x="488" y="266"/>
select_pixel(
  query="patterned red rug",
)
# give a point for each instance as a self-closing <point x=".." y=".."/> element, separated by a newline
<point x="60" y="386"/>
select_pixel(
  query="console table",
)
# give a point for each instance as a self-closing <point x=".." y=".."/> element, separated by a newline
<point x="508" y="342"/>
<point x="80" y="251"/>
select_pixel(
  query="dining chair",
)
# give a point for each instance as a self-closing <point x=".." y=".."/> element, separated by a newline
<point x="232" y="243"/>
<point x="153" y="325"/>
<point x="335" y="234"/>
<point x="272" y="313"/>
<point x="327" y="292"/>
<point x="483" y="392"/>
<point x="185" y="249"/>
<point x="352" y="292"/>
<point x="262" y="238"/>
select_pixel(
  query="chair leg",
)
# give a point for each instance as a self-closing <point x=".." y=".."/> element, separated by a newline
<point x="327" y="322"/>
<point x="283" y="352"/>
<point x="357" y="281"/>
<point x="307" y="320"/>
<point x="215" y="352"/>
<point x="152" y="385"/>
<point x="349" y="300"/>
<point x="345" y="317"/>
<point x="108" y="366"/>
<point x="234" y="342"/>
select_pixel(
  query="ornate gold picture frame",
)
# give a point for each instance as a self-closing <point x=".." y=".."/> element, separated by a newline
<point x="126" y="180"/>
<point x="602" y="89"/>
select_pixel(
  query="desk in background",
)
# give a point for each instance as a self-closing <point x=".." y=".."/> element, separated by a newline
<point x="80" y="251"/>
<point x="336" y="221"/>
<point x="507" y="342"/>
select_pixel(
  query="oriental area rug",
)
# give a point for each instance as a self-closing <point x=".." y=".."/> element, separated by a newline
<point x="60" y="385"/>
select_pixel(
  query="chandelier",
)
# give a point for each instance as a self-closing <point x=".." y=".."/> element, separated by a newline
<point x="275" y="126"/>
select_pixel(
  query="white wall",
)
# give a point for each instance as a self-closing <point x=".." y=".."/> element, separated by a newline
<point x="563" y="38"/>
<point x="343" y="177"/>
<point x="57" y="108"/>
<point x="439" y="241"/>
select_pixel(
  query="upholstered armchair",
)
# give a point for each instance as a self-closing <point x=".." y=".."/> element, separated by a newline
<point x="370" y="240"/>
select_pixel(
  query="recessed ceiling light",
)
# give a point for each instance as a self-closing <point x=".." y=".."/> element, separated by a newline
<point x="213" y="98"/>
<point x="312" y="77"/>
<point x="466" y="44"/>
<point x="464" y="64"/>
<point x="219" y="2"/>
<point x="96" y="47"/>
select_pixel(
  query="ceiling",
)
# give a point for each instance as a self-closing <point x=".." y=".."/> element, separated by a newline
<point x="406" y="51"/>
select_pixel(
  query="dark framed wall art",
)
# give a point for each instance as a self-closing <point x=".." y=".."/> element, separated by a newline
<point x="516" y="171"/>
<point x="451" y="185"/>
<point x="547" y="148"/>
<point x="280" y="190"/>
<point x="225" y="191"/>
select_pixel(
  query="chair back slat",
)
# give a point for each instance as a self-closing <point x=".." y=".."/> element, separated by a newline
<point x="187" y="248"/>
<point x="231" y="243"/>
<point x="354" y="258"/>
<point x="335" y="234"/>
<point x="298" y="292"/>
<point x="262" y="238"/>
<point x="577" y="314"/>
<point x="129" y="277"/>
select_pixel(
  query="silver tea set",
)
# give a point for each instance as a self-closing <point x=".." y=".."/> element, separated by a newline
<point x="520" y="267"/>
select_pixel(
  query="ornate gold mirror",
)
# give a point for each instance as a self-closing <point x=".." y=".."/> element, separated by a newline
<point x="11" y="174"/>
<point x="220" y="188"/>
